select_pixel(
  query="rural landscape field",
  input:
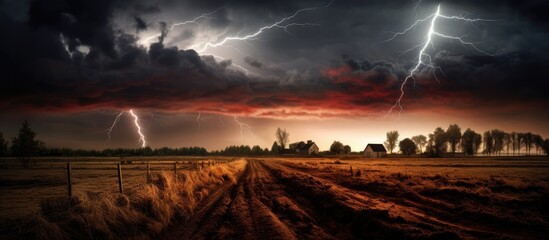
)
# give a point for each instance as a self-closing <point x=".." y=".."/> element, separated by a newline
<point x="286" y="119"/>
<point x="280" y="198"/>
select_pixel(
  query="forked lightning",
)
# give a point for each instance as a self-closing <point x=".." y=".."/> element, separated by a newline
<point x="423" y="58"/>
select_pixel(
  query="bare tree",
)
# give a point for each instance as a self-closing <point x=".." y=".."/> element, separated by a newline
<point x="454" y="136"/>
<point x="282" y="137"/>
<point x="420" y="141"/>
<point x="392" y="139"/>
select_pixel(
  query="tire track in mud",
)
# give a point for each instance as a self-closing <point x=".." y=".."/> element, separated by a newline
<point x="436" y="218"/>
<point x="271" y="200"/>
<point x="255" y="207"/>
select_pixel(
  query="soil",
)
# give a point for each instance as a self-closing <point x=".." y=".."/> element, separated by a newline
<point x="284" y="200"/>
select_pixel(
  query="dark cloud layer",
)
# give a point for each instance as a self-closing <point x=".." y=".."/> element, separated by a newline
<point x="45" y="67"/>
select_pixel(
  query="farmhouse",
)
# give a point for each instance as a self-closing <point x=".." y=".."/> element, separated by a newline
<point x="308" y="148"/>
<point x="375" y="151"/>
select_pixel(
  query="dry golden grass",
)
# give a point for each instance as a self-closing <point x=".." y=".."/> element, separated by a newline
<point x="144" y="211"/>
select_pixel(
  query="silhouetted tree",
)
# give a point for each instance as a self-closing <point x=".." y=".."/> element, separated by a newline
<point x="420" y="141"/>
<point x="275" y="149"/>
<point x="488" y="142"/>
<point x="507" y="142"/>
<point x="430" y="148"/>
<point x="498" y="138"/>
<point x="538" y="142"/>
<point x="392" y="139"/>
<point x="282" y="137"/>
<point x="147" y="151"/>
<point x="468" y="141"/>
<point x="346" y="149"/>
<point x="477" y="142"/>
<point x="513" y="139"/>
<point x="336" y="147"/>
<point x="237" y="151"/>
<point x="3" y="145"/>
<point x="521" y="139"/>
<point x="528" y="142"/>
<point x="257" y="150"/>
<point x="24" y="146"/>
<point x="454" y="136"/>
<point x="440" y="140"/>
<point x="545" y="146"/>
<point x="407" y="146"/>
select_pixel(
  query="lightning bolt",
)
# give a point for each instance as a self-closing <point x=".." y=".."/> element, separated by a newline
<point x="281" y="24"/>
<point x="232" y="63"/>
<point x="242" y="127"/>
<point x="142" y="138"/>
<point x="109" y="130"/>
<point x="198" y="120"/>
<point x="424" y="59"/>
<point x="194" y="21"/>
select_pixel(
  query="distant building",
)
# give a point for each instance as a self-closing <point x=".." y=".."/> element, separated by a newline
<point x="308" y="148"/>
<point x="375" y="151"/>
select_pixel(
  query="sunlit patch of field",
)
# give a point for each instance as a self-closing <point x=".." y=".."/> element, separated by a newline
<point x="518" y="171"/>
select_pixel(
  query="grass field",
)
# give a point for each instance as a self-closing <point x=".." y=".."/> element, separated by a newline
<point x="286" y="198"/>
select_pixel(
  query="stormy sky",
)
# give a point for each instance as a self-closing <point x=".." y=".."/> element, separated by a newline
<point x="217" y="73"/>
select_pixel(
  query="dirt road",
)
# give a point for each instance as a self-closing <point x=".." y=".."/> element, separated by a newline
<point x="279" y="200"/>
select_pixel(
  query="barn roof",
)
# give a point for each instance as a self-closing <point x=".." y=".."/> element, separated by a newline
<point x="303" y="145"/>
<point x="307" y="146"/>
<point x="376" y="147"/>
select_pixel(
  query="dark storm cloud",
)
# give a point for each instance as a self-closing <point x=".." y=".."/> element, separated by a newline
<point x="85" y="21"/>
<point x="140" y="24"/>
<point x="253" y="62"/>
<point x="46" y="68"/>
<point x="146" y="8"/>
<point x="519" y="75"/>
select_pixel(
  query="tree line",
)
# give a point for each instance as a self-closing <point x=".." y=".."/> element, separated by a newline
<point x="25" y="146"/>
<point x="452" y="140"/>
<point x="436" y="144"/>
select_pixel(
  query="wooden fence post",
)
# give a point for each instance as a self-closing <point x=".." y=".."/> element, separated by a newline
<point x="175" y="169"/>
<point x="121" y="188"/>
<point x="69" y="180"/>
